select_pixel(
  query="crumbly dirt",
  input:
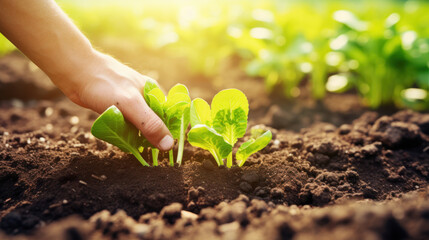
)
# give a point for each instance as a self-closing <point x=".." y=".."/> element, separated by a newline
<point x="332" y="171"/>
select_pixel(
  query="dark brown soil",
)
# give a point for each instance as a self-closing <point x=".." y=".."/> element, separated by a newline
<point x="332" y="171"/>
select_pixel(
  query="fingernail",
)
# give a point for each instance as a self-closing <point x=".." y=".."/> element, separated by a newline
<point x="166" y="143"/>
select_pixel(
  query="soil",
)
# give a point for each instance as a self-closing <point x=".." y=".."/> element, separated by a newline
<point x="332" y="171"/>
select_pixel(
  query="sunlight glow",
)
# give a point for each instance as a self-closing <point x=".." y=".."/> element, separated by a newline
<point x="392" y="19"/>
<point x="414" y="94"/>
<point x="187" y="15"/>
<point x="234" y="32"/>
<point x="333" y="58"/>
<point x="336" y="82"/>
<point x="263" y="15"/>
<point x="261" y="33"/>
<point x="408" y="39"/>
<point x="306" y="67"/>
<point x="339" y="42"/>
<point x="348" y="18"/>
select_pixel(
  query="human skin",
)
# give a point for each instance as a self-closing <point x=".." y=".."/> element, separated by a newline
<point x="47" y="36"/>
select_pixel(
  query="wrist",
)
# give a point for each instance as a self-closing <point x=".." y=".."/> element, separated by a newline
<point x="71" y="74"/>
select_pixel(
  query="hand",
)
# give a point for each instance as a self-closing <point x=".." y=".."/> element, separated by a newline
<point x="102" y="82"/>
<point x="44" y="33"/>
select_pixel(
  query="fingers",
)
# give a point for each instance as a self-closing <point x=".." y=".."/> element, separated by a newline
<point x="151" y="126"/>
<point x="116" y="84"/>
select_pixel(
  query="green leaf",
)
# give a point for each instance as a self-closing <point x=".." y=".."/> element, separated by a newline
<point x="253" y="145"/>
<point x="149" y="86"/>
<point x="229" y="99"/>
<point x="176" y="110"/>
<point x="231" y="125"/>
<point x="229" y="113"/>
<point x="178" y="88"/>
<point x="200" y="112"/>
<point x="173" y="125"/>
<point x="159" y="95"/>
<point x="112" y="127"/>
<point x="176" y="104"/>
<point x="156" y="101"/>
<point x="207" y="138"/>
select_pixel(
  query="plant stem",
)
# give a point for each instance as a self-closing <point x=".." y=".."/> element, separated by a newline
<point x="241" y="163"/>
<point x="229" y="161"/>
<point x="181" y="140"/>
<point x="155" y="153"/>
<point x="220" y="160"/>
<point x="216" y="157"/>
<point x="171" y="157"/>
<point x="140" y="158"/>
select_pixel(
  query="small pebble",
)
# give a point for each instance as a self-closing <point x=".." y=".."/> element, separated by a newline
<point x="250" y="177"/>
<point x="49" y="111"/>
<point x="229" y="227"/>
<point x="49" y="127"/>
<point x="293" y="210"/>
<point x="17" y="103"/>
<point x="246" y="187"/>
<point x="208" y="165"/>
<point x="345" y="129"/>
<point x="277" y="193"/>
<point x="188" y="215"/>
<point x="74" y="129"/>
<point x="83" y="138"/>
<point x="172" y="212"/>
<point x="140" y="229"/>
<point x="74" y="120"/>
<point x="276" y="142"/>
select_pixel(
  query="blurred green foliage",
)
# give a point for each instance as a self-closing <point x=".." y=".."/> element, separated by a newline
<point x="378" y="48"/>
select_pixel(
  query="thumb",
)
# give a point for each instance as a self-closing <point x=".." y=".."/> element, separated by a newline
<point x="136" y="110"/>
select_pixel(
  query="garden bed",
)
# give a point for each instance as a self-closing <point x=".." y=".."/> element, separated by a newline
<point x="333" y="170"/>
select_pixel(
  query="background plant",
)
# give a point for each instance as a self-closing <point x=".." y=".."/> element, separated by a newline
<point x="328" y="46"/>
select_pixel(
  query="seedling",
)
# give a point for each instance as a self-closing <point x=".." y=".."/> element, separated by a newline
<point x="112" y="127"/>
<point x="259" y="139"/>
<point x="207" y="138"/>
<point x="174" y="112"/>
<point x="218" y="129"/>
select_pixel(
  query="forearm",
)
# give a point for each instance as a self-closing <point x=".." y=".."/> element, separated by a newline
<point x="43" y="32"/>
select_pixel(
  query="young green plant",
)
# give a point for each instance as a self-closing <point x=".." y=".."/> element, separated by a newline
<point x="258" y="140"/>
<point x="218" y="129"/>
<point x="174" y="112"/>
<point x="112" y="127"/>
